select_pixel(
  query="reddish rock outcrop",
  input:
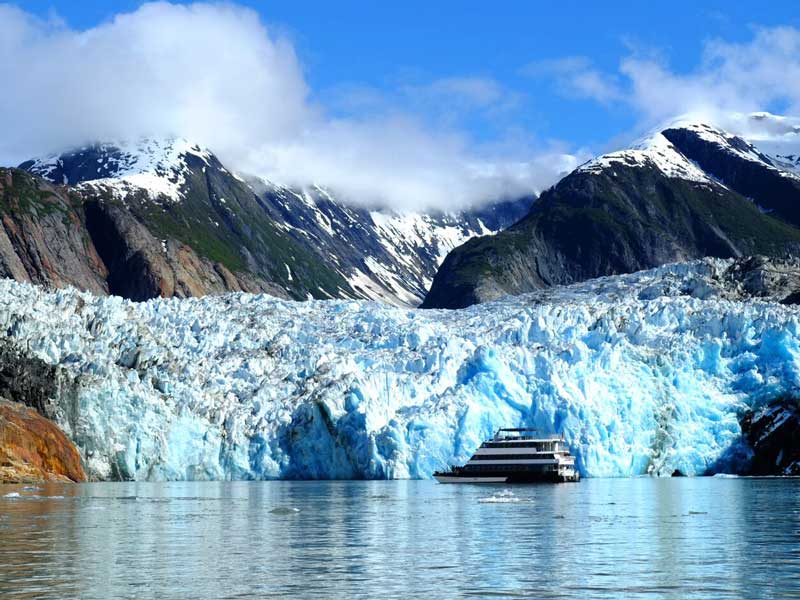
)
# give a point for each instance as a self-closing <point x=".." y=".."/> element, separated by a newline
<point x="33" y="449"/>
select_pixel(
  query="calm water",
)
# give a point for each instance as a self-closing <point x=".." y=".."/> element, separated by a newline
<point x="674" y="538"/>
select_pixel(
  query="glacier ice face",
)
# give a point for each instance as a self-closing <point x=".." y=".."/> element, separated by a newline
<point x="643" y="373"/>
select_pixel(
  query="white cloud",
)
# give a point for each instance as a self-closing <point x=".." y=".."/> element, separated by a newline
<point x="360" y="161"/>
<point x="733" y="77"/>
<point x="760" y="74"/>
<point x="211" y="72"/>
<point x="467" y="93"/>
<point x="214" y="73"/>
<point x="576" y="77"/>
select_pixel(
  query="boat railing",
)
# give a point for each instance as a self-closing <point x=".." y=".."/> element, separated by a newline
<point x="518" y="433"/>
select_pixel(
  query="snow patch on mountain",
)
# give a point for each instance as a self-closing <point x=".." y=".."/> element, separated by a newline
<point x="157" y="166"/>
<point x="771" y="140"/>
<point x="441" y="233"/>
<point x="383" y="254"/>
<point x="654" y="150"/>
<point x="643" y="373"/>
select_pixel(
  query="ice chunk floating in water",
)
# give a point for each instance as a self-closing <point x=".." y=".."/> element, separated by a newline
<point x="502" y="497"/>
<point x="643" y="373"/>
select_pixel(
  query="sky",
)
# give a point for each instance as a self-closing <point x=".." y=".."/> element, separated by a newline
<point x="412" y="104"/>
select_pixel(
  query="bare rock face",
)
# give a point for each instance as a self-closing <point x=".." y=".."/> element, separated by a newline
<point x="28" y="380"/>
<point x="774" y="436"/>
<point x="33" y="449"/>
<point x="775" y="279"/>
<point x="43" y="238"/>
<point x="54" y="236"/>
<point x="141" y="267"/>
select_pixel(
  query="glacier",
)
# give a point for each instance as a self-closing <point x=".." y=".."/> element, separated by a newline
<point x="644" y="373"/>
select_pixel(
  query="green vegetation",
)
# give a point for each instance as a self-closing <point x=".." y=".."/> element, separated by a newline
<point x="26" y="195"/>
<point x="597" y="224"/>
<point x="238" y="233"/>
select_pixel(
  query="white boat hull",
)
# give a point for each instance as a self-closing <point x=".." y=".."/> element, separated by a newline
<point x="515" y="458"/>
<point x="454" y="479"/>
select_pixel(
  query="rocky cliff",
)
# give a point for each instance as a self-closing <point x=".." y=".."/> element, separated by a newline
<point x="44" y="238"/>
<point x="677" y="195"/>
<point x="167" y="218"/>
<point x="773" y="434"/>
<point x="56" y="236"/>
<point x="33" y="449"/>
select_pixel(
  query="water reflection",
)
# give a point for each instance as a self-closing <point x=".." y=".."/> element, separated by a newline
<point x="674" y="538"/>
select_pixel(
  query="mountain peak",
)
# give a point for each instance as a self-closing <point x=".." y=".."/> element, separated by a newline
<point x="156" y="165"/>
<point x="777" y="138"/>
<point x="688" y="190"/>
<point x="655" y="150"/>
<point x="761" y="137"/>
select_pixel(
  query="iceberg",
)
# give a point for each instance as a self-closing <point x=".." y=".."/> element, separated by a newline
<point x="645" y="373"/>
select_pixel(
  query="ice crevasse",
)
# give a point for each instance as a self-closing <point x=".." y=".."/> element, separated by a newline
<point x="642" y="373"/>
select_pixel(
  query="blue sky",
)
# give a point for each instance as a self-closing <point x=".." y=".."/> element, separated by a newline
<point x="436" y="102"/>
<point x="384" y="45"/>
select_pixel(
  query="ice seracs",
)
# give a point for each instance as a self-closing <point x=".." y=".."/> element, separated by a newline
<point x="643" y="373"/>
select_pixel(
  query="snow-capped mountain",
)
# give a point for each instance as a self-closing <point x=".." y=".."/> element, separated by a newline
<point x="180" y="191"/>
<point x="762" y="171"/>
<point x="771" y="141"/>
<point x="777" y="136"/>
<point x="676" y="368"/>
<point x="157" y="166"/>
<point x="384" y="255"/>
<point x="653" y="151"/>
<point x="685" y="191"/>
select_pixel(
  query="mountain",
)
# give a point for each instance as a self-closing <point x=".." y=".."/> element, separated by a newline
<point x="165" y="217"/>
<point x="771" y="181"/>
<point x="689" y="367"/>
<point x="383" y="255"/>
<point x="687" y="191"/>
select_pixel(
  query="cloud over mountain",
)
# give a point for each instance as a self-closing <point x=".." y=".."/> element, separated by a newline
<point x="216" y="74"/>
<point x="762" y="73"/>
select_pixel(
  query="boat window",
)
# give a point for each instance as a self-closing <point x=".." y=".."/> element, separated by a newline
<point x="512" y="456"/>
<point x="542" y="445"/>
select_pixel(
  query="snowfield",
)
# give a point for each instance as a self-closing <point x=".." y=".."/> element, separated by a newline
<point x="643" y="373"/>
<point x="157" y="166"/>
<point x="654" y="150"/>
<point x="384" y="254"/>
<point x="770" y="140"/>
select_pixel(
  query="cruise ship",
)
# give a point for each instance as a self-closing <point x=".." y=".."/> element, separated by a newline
<point x="516" y="456"/>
